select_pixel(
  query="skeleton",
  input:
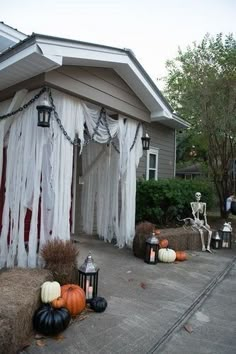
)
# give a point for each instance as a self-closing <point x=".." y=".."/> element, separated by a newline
<point x="199" y="208"/>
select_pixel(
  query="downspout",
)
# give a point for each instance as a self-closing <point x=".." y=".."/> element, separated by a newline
<point x="175" y="155"/>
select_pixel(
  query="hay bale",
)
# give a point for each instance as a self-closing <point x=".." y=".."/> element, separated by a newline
<point x="20" y="297"/>
<point x="180" y="239"/>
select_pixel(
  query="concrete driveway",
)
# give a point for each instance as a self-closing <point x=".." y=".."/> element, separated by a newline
<point x="148" y="305"/>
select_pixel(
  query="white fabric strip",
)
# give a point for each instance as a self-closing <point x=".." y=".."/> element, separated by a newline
<point x="39" y="178"/>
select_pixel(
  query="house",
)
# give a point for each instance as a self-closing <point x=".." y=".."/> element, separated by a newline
<point x="191" y="172"/>
<point x="81" y="170"/>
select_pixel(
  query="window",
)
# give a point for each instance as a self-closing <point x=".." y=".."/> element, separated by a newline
<point x="152" y="164"/>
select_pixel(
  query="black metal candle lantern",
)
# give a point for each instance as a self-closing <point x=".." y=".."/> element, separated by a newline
<point x="216" y="241"/>
<point x="146" y="142"/>
<point x="44" y="114"/>
<point x="151" y="251"/>
<point x="88" y="278"/>
<point x="226" y="236"/>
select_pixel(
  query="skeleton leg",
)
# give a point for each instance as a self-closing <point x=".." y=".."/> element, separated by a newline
<point x="202" y="240"/>
<point x="209" y="240"/>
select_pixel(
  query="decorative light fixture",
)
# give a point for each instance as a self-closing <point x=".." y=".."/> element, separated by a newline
<point x="88" y="278"/>
<point x="151" y="250"/>
<point x="44" y="113"/>
<point x="216" y="241"/>
<point x="226" y="235"/>
<point x="146" y="142"/>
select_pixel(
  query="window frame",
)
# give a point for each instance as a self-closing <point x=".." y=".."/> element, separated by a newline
<point x="152" y="151"/>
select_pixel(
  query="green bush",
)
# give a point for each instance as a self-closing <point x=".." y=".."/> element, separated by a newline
<point x="161" y="202"/>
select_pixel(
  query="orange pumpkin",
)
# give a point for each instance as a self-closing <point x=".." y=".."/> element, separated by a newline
<point x="163" y="243"/>
<point x="58" y="303"/>
<point x="181" y="256"/>
<point x="74" y="296"/>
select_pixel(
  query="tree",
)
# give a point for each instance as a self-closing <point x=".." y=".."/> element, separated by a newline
<point x="201" y="86"/>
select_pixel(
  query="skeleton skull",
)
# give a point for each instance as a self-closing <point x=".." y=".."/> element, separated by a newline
<point x="198" y="196"/>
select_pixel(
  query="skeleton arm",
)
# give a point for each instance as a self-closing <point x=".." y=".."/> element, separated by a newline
<point x="195" y="212"/>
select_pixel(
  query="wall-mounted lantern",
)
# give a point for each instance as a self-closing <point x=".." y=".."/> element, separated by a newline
<point x="44" y="113"/>
<point x="146" y="142"/>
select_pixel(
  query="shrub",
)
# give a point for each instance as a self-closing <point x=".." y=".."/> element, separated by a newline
<point x="60" y="258"/>
<point x="160" y="202"/>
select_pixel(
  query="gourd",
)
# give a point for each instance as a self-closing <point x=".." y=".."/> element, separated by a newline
<point x="74" y="296"/>
<point x="163" y="243"/>
<point x="50" y="290"/>
<point x="181" y="256"/>
<point x="58" y="303"/>
<point x="166" y="255"/>
<point x="50" y="321"/>
<point x="98" y="304"/>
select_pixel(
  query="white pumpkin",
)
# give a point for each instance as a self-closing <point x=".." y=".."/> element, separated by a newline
<point x="50" y="290"/>
<point x="166" y="255"/>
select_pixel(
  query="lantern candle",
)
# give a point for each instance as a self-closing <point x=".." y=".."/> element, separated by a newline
<point x="152" y="255"/>
<point x="90" y="292"/>
<point x="87" y="289"/>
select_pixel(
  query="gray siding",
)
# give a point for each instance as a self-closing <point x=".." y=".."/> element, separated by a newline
<point x="163" y="138"/>
<point x="99" y="85"/>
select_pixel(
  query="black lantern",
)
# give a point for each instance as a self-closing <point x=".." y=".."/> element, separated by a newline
<point x="216" y="241"/>
<point x="226" y="235"/>
<point x="44" y="114"/>
<point x="151" y="251"/>
<point x="146" y="142"/>
<point x="88" y="278"/>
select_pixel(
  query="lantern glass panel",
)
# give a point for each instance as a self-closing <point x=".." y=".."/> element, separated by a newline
<point x="216" y="241"/>
<point x="226" y="237"/>
<point x="89" y="283"/>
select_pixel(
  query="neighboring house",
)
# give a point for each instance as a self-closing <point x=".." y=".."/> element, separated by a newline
<point x="81" y="79"/>
<point x="191" y="172"/>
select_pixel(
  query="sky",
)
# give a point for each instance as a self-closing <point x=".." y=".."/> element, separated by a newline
<point x="152" y="29"/>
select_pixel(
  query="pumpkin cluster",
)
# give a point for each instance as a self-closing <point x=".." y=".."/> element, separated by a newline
<point x="59" y="304"/>
<point x="168" y="255"/>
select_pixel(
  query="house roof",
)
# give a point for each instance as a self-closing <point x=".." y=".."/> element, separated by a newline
<point x="38" y="53"/>
<point x="9" y="36"/>
<point x="195" y="169"/>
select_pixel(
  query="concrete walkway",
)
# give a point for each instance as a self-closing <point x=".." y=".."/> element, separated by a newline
<point x="148" y="306"/>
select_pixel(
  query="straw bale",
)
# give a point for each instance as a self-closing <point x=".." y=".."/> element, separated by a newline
<point x="180" y="239"/>
<point x="20" y="297"/>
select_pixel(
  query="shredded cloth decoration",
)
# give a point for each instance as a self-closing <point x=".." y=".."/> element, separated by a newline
<point x="39" y="172"/>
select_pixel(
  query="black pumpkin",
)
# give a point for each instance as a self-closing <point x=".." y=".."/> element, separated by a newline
<point x="50" y="321"/>
<point x="98" y="304"/>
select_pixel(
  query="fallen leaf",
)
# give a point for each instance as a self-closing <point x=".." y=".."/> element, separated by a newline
<point x="81" y="318"/>
<point x="39" y="336"/>
<point x="143" y="285"/>
<point x="40" y="343"/>
<point x="59" y="337"/>
<point x="188" y="328"/>
<point x="89" y="310"/>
